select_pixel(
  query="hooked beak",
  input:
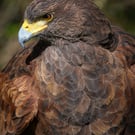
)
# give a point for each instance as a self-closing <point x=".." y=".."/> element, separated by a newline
<point x="24" y="36"/>
<point x="30" y="30"/>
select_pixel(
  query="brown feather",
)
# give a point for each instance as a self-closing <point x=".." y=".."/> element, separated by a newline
<point x="78" y="79"/>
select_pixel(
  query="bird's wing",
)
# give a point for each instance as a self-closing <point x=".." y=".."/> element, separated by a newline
<point x="125" y="50"/>
<point x="18" y="103"/>
<point x="130" y="129"/>
<point x="18" y="98"/>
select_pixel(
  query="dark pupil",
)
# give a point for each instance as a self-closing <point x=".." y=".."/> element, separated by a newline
<point x="47" y="16"/>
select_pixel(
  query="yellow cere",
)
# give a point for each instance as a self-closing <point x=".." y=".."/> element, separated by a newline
<point x="34" y="27"/>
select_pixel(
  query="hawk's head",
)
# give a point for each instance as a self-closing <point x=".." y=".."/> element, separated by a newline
<point x="67" y="19"/>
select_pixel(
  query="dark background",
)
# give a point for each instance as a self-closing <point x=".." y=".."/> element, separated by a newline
<point x="120" y="12"/>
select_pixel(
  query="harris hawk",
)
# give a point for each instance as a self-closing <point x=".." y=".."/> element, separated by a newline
<point x="77" y="79"/>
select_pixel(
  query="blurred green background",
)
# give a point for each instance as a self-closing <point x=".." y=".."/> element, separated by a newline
<point x="120" y="12"/>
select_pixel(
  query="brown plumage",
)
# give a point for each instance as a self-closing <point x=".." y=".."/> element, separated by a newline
<point x="77" y="79"/>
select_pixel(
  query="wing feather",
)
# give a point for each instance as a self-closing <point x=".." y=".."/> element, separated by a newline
<point x="18" y="103"/>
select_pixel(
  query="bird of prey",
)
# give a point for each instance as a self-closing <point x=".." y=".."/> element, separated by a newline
<point x="78" y="78"/>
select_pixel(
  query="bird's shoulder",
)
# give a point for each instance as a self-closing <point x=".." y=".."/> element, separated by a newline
<point x="18" y="97"/>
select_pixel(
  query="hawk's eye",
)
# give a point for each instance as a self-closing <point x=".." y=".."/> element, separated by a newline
<point x="47" y="17"/>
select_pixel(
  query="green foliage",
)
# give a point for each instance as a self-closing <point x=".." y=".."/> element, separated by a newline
<point x="11" y="30"/>
<point x="121" y="13"/>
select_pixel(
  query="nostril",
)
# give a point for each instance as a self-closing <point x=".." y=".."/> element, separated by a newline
<point x="27" y="27"/>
